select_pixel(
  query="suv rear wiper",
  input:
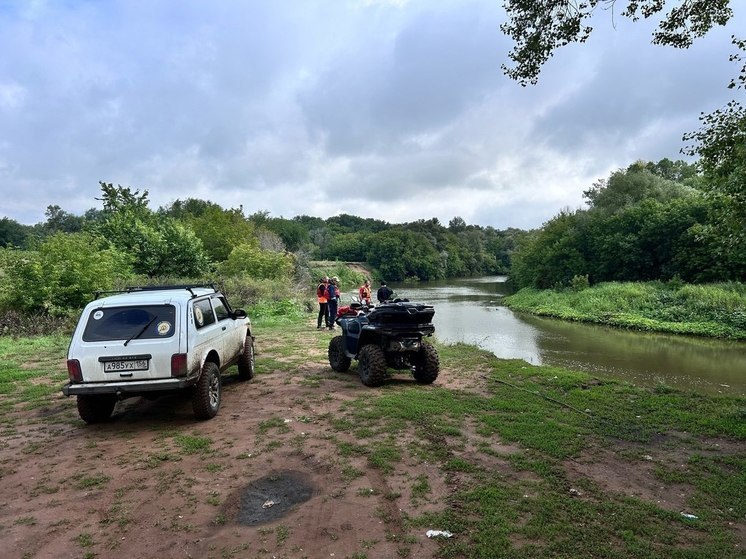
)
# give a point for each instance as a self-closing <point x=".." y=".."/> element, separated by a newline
<point x="141" y="330"/>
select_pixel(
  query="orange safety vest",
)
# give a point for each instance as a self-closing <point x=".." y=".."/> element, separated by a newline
<point x="321" y="298"/>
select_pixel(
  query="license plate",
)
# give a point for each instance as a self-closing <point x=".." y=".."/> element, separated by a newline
<point x="131" y="365"/>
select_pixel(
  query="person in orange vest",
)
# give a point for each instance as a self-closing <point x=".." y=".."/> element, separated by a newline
<point x="365" y="293"/>
<point x="321" y="295"/>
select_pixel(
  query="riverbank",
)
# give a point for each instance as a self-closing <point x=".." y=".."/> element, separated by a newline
<point x="512" y="460"/>
<point x="714" y="310"/>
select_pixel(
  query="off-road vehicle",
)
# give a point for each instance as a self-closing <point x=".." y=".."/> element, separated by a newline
<point x="387" y="336"/>
<point x="150" y="341"/>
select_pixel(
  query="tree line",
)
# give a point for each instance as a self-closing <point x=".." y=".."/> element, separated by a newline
<point x="651" y="221"/>
<point x="57" y="265"/>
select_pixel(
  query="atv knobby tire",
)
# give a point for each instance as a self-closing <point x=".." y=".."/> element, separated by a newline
<point x="95" y="409"/>
<point x="337" y="357"/>
<point x="427" y="364"/>
<point x="246" y="360"/>
<point x="207" y="391"/>
<point x="372" y="365"/>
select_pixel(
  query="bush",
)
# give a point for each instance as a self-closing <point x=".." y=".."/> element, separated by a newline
<point x="62" y="275"/>
<point x="249" y="260"/>
<point x="579" y="283"/>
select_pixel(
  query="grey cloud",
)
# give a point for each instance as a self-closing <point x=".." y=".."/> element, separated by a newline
<point x="374" y="97"/>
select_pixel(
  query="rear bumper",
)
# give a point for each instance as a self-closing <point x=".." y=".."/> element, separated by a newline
<point x="127" y="388"/>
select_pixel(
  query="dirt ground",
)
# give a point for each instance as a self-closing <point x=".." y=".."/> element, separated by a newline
<point x="265" y="478"/>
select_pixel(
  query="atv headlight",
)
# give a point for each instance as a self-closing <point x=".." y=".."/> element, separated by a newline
<point x="405" y="345"/>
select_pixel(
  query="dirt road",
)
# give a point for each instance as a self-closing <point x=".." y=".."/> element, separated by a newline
<point x="154" y="482"/>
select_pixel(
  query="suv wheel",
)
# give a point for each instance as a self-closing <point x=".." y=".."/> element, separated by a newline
<point x="246" y="360"/>
<point x="372" y="365"/>
<point x="337" y="357"/>
<point x="426" y="364"/>
<point x="206" y="397"/>
<point x="95" y="409"/>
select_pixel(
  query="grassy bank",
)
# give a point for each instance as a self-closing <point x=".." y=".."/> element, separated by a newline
<point x="715" y="310"/>
<point x="514" y="460"/>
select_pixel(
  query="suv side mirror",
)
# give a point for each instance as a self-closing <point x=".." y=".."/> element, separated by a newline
<point x="239" y="313"/>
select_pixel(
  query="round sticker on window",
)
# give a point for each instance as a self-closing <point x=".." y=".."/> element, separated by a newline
<point x="164" y="328"/>
<point x="198" y="316"/>
<point x="98" y="315"/>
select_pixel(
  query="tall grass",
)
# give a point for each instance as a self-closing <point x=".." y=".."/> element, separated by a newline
<point x="716" y="310"/>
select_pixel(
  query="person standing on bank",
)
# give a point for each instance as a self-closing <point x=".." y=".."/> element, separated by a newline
<point x="332" y="297"/>
<point x="365" y="293"/>
<point x="384" y="293"/>
<point x="323" y="303"/>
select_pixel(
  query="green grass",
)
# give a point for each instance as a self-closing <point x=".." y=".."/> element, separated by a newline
<point x="193" y="444"/>
<point x="554" y="416"/>
<point x="713" y="310"/>
<point x="31" y="369"/>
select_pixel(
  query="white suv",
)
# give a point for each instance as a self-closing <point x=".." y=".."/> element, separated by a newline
<point x="148" y="341"/>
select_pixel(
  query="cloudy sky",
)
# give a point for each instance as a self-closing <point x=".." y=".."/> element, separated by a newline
<point x="392" y="109"/>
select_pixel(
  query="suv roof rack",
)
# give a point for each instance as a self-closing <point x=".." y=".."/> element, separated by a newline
<point x="133" y="288"/>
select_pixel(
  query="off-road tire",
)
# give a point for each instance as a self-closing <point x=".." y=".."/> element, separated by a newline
<point x="246" y="360"/>
<point x="96" y="409"/>
<point x="426" y="364"/>
<point x="207" y="392"/>
<point x="372" y="365"/>
<point x="337" y="357"/>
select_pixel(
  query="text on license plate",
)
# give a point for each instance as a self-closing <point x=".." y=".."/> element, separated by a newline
<point x="131" y="365"/>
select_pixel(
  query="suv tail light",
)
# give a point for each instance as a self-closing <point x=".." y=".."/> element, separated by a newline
<point x="179" y="365"/>
<point x="74" y="371"/>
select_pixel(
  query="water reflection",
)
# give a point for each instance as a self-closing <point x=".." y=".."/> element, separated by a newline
<point x="470" y="311"/>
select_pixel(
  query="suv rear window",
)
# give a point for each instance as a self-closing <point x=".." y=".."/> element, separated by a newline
<point x="122" y="323"/>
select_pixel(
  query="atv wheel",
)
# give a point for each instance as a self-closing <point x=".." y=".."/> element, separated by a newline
<point x="206" y="396"/>
<point x="95" y="409"/>
<point x="337" y="357"/>
<point x="426" y="364"/>
<point x="246" y="360"/>
<point x="372" y="365"/>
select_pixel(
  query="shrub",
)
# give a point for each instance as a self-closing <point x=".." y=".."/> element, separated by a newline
<point x="579" y="283"/>
<point x="62" y="275"/>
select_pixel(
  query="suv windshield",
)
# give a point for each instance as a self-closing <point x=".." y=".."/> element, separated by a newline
<point x="123" y="323"/>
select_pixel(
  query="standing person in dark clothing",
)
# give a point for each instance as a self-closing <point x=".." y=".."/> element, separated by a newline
<point x="384" y="293"/>
<point x="323" y="303"/>
<point x="332" y="297"/>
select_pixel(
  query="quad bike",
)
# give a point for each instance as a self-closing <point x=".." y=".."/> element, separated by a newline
<point x="389" y="335"/>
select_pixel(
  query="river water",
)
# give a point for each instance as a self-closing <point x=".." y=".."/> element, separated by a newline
<point x="470" y="310"/>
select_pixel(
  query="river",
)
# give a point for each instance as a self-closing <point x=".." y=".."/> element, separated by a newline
<point x="470" y="310"/>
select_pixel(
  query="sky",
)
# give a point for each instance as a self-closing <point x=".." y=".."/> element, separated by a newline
<point x="390" y="109"/>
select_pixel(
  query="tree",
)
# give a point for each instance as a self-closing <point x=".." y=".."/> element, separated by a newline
<point x="60" y="221"/>
<point x="14" y="234"/>
<point x="538" y="28"/>
<point x="191" y="207"/>
<point x="400" y="254"/>
<point x="554" y="254"/>
<point x="120" y="199"/>
<point x="625" y="188"/>
<point x="721" y="146"/>
<point x="220" y="230"/>
<point x="158" y="245"/>
<point x="457" y="224"/>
